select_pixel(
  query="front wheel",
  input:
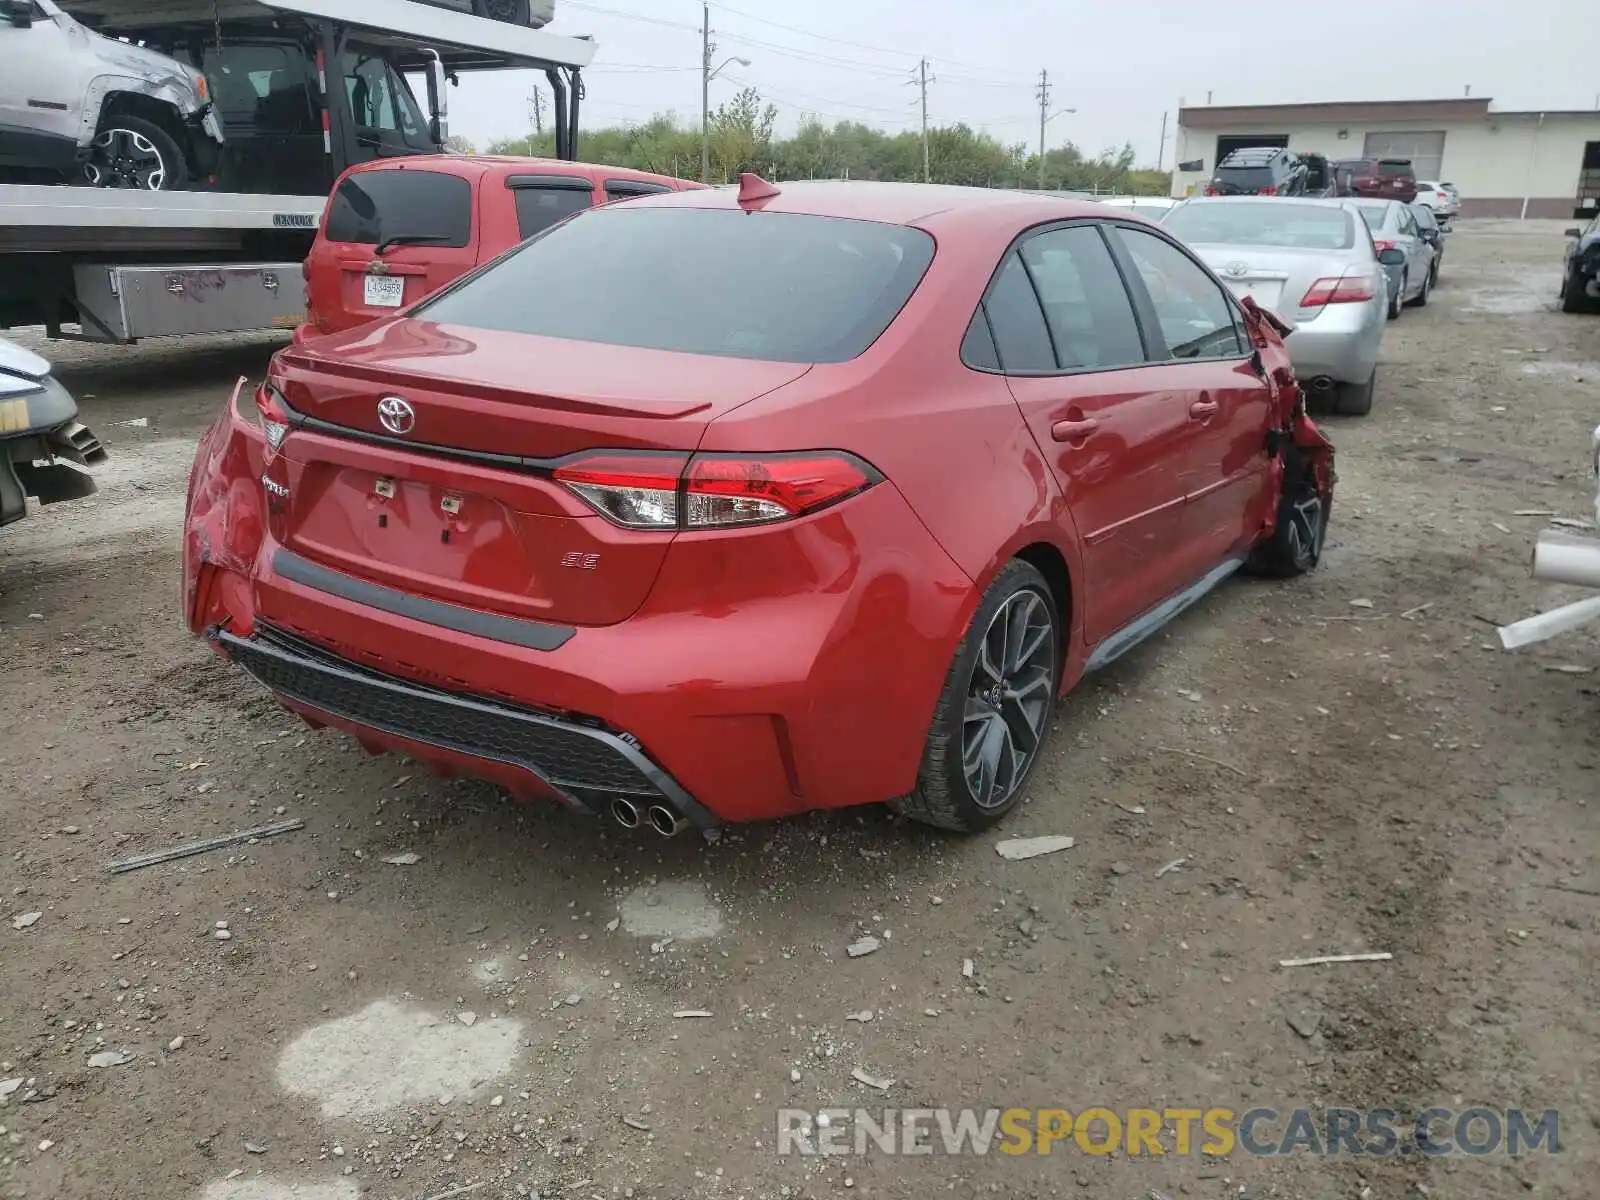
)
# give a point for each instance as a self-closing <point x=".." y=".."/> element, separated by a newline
<point x="513" y="12"/>
<point x="992" y="717"/>
<point x="130" y="152"/>
<point x="1295" y="546"/>
<point x="1574" y="295"/>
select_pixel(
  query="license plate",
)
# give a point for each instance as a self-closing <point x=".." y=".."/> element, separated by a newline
<point x="384" y="291"/>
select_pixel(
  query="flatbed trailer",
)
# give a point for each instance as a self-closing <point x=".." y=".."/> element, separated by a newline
<point x="123" y="265"/>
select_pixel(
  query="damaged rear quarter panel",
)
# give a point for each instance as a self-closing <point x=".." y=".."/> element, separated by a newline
<point x="225" y="514"/>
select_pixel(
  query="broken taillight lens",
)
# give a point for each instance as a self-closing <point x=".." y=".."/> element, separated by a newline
<point x="648" y="490"/>
<point x="273" y="414"/>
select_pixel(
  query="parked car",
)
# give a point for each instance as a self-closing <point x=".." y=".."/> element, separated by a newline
<point x="1314" y="263"/>
<point x="1433" y="196"/>
<point x="396" y="230"/>
<point x="1388" y="178"/>
<point x="1259" y="171"/>
<point x="88" y="109"/>
<point x="1319" y="174"/>
<point x="1580" y="272"/>
<point x="533" y="13"/>
<point x="1435" y="234"/>
<point x="1151" y="207"/>
<point x="1407" y="256"/>
<point x="45" y="451"/>
<point x="833" y="524"/>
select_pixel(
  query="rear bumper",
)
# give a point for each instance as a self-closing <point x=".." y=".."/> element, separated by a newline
<point x="1342" y="343"/>
<point x="769" y="671"/>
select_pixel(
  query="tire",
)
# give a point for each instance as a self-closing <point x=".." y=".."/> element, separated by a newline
<point x="970" y="744"/>
<point x="513" y="12"/>
<point x="1574" y="297"/>
<point x="1397" y="300"/>
<point x="131" y="152"/>
<point x="1295" y="547"/>
<point x="1355" y="399"/>
<point x="1421" y="298"/>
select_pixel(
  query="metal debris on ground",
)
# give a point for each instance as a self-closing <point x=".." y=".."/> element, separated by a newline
<point x="1568" y="668"/>
<point x="635" y="1123"/>
<point x="862" y="947"/>
<point x="1321" y="960"/>
<point x="967" y="968"/>
<point x="408" y="858"/>
<point x="1168" y="868"/>
<point x="1017" y="849"/>
<point x="863" y="1016"/>
<point x="692" y="1012"/>
<point x="871" y="1081"/>
<point x="110" y="1058"/>
<point x="1362" y="602"/>
<point x="26" y="920"/>
<point x="151" y="858"/>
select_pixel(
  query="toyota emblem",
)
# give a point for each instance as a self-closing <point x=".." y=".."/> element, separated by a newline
<point x="397" y="416"/>
<point x="1237" y="269"/>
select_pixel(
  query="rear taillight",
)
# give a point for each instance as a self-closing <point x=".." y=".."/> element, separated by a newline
<point x="1382" y="244"/>
<point x="648" y="490"/>
<point x="1346" y="289"/>
<point x="1211" y="191"/>
<point x="273" y="414"/>
<point x="1269" y="190"/>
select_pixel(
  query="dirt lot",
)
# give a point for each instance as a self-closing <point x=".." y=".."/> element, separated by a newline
<point x="1344" y="764"/>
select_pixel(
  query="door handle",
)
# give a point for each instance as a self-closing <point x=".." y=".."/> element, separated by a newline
<point x="1073" y="430"/>
<point x="1203" y="410"/>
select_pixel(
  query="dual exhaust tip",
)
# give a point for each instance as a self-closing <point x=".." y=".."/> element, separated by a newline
<point x="662" y="818"/>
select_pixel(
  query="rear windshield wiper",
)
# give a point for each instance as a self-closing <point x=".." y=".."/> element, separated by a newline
<point x="409" y="239"/>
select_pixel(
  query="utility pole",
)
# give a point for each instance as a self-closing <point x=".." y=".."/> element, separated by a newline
<point x="927" y="175"/>
<point x="1161" y="147"/>
<point x="706" y="49"/>
<point x="1044" y="116"/>
<point x="536" y="102"/>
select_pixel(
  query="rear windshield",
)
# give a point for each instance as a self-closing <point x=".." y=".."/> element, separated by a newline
<point x="1245" y="176"/>
<point x="1283" y="223"/>
<point x="1375" y="214"/>
<point x="373" y="206"/>
<point x="1389" y="168"/>
<point x="776" y="286"/>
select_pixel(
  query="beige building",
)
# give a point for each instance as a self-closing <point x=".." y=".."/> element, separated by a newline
<point x="1505" y="164"/>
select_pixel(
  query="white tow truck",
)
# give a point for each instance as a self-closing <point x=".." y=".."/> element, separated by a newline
<point x="303" y="89"/>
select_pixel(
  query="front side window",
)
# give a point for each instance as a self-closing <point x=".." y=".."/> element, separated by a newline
<point x="784" y="287"/>
<point x="538" y="208"/>
<point x="1085" y="303"/>
<point x="382" y="103"/>
<point x="1195" y="316"/>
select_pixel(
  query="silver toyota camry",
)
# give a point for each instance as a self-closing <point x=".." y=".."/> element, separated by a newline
<point x="1313" y="263"/>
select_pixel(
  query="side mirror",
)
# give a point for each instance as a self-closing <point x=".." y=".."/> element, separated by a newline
<point x="18" y="12"/>
<point x="1574" y="232"/>
<point x="1391" y="258"/>
<point x="1429" y="235"/>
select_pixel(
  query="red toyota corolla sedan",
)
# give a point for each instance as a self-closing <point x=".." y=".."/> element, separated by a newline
<point x="728" y="504"/>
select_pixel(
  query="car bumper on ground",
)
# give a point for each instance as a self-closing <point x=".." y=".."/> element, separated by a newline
<point x="1340" y="343"/>
<point x="766" y="673"/>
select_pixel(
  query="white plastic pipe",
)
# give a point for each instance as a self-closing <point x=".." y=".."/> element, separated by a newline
<point x="1567" y="558"/>
<point x="1548" y="625"/>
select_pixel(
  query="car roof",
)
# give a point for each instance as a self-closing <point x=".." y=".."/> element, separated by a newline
<point x="476" y="166"/>
<point x="1266" y="153"/>
<point x="1276" y="201"/>
<point x="925" y="205"/>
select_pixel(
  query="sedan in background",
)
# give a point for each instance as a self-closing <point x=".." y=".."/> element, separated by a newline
<point x="1432" y="195"/>
<point x="1150" y="207"/>
<point x="1435" y="234"/>
<point x="1313" y="263"/>
<point x="838" y="526"/>
<point x="1407" y="256"/>
<point x="1580" y="273"/>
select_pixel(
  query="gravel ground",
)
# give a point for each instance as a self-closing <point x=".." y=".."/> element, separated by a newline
<point x="1344" y="764"/>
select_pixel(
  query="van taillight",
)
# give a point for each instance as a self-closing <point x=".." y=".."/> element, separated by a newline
<point x="652" y="490"/>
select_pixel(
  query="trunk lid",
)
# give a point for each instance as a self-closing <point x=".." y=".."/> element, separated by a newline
<point x="1277" y="277"/>
<point x="459" y="505"/>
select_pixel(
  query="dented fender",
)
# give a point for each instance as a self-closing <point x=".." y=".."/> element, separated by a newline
<point x="224" y="514"/>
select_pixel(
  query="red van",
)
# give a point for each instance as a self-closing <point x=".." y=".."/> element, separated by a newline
<point x="396" y="229"/>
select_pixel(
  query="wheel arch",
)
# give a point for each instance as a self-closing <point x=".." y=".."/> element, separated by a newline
<point x="1057" y="558"/>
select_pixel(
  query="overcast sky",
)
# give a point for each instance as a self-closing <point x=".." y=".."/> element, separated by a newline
<point x="1120" y="63"/>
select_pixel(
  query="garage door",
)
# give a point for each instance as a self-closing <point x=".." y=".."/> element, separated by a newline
<point x="1425" y="150"/>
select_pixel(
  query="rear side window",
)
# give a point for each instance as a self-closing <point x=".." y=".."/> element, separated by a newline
<point x="784" y="287"/>
<point x="621" y="189"/>
<point x="1085" y="303"/>
<point x="1021" y="337"/>
<point x="373" y="206"/>
<point x="1196" y="318"/>
<point x="1391" y="168"/>
<point x="539" y="207"/>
